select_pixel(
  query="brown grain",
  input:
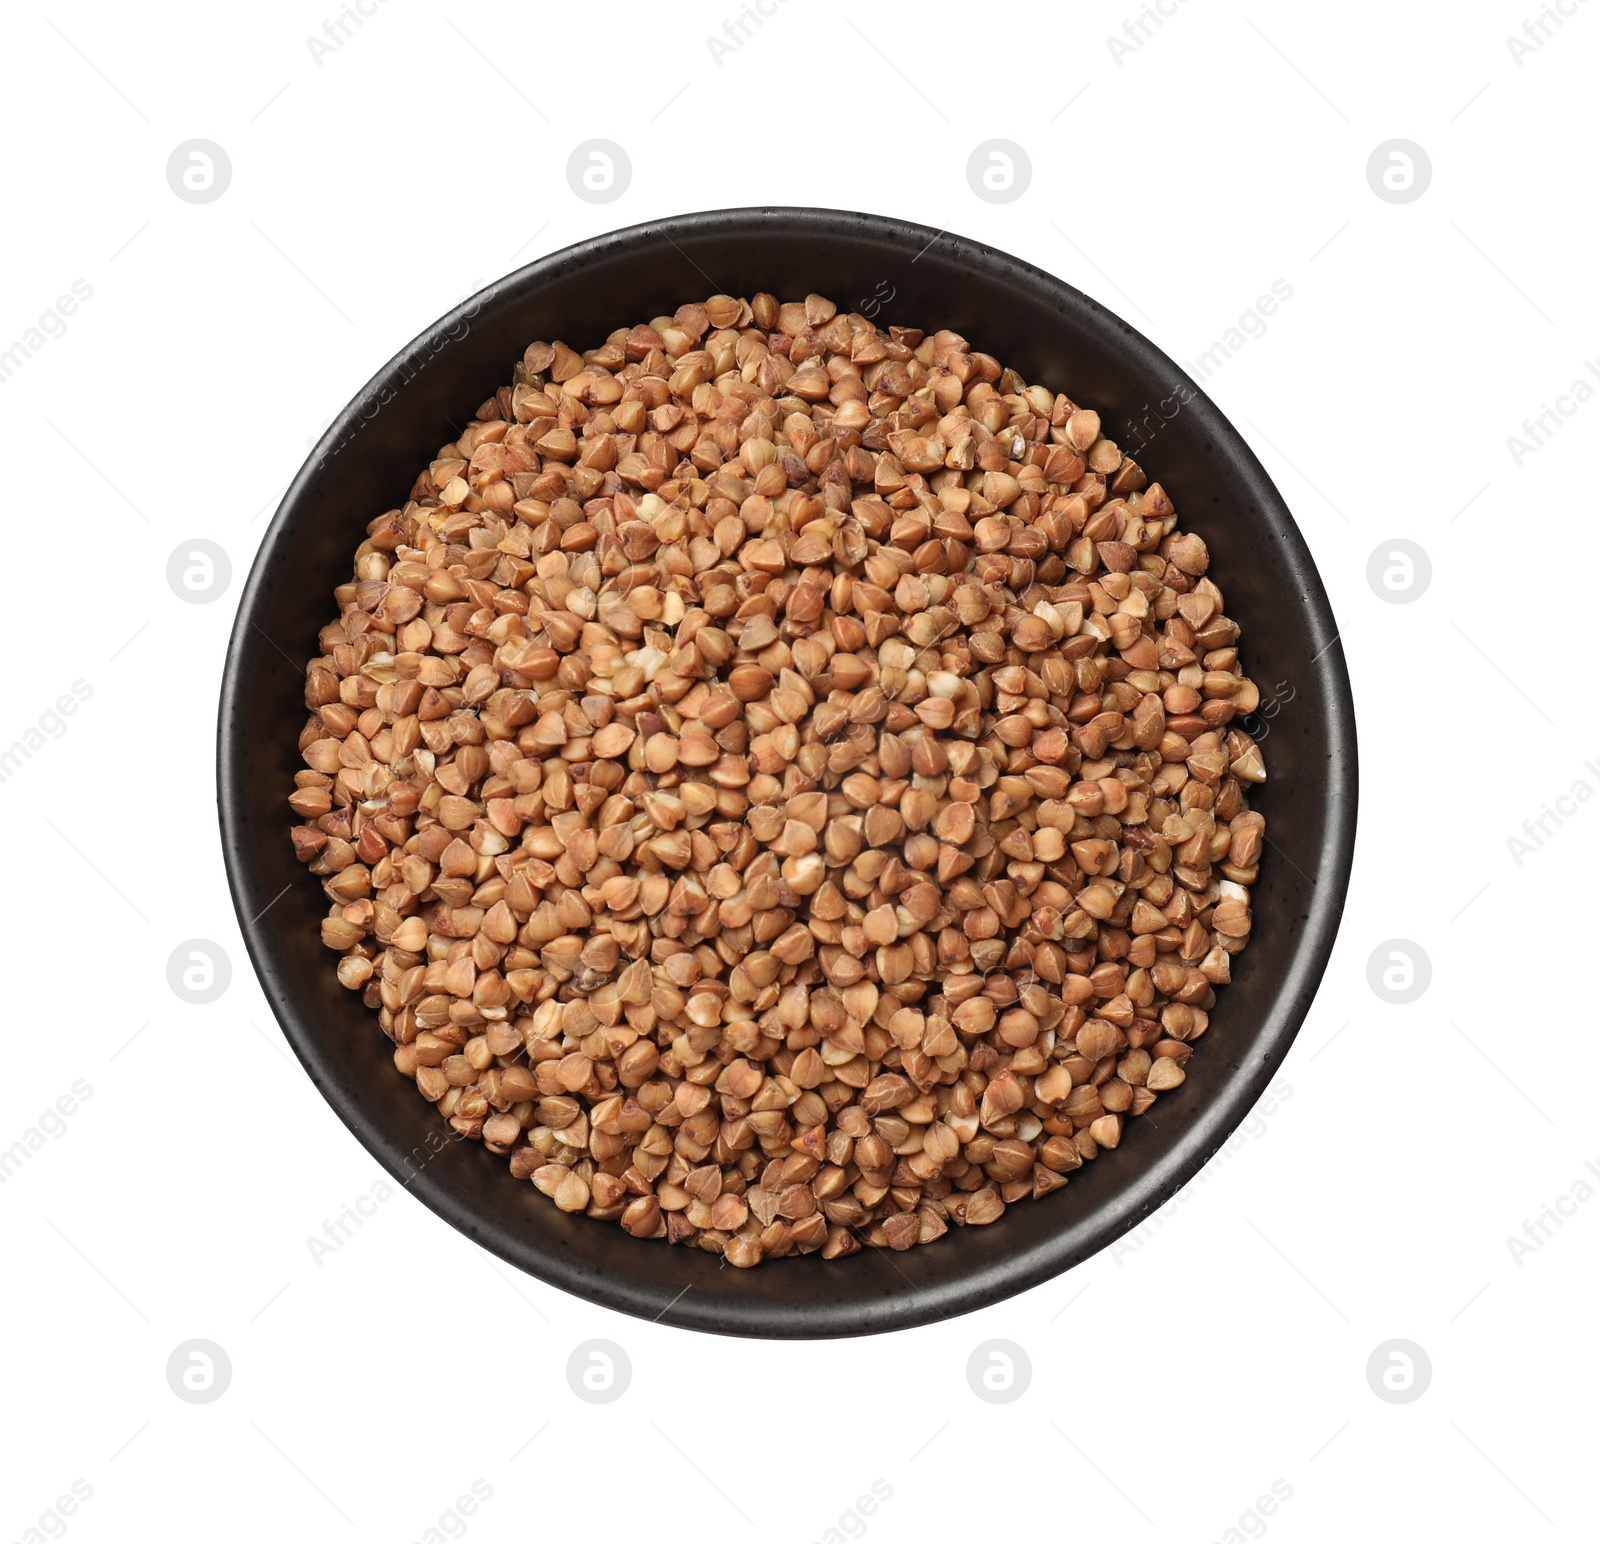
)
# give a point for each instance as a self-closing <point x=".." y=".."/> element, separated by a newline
<point x="782" y="782"/>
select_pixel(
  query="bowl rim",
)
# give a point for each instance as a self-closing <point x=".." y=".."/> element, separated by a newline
<point x="1140" y="1194"/>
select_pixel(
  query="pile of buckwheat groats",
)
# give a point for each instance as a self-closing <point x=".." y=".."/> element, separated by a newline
<point x="779" y="782"/>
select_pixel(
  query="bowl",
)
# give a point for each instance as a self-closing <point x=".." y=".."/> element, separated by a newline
<point x="894" y="272"/>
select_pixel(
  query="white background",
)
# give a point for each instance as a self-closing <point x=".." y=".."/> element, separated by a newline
<point x="1173" y="1383"/>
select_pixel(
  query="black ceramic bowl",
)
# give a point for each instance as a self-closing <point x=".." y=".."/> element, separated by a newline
<point x="897" y="273"/>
